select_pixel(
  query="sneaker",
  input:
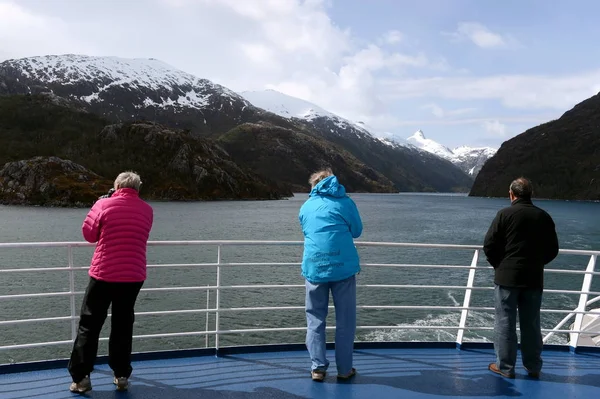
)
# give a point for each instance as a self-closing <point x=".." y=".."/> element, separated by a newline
<point x="493" y="367"/>
<point x="351" y="374"/>
<point x="82" y="386"/>
<point x="122" y="383"/>
<point x="318" y="375"/>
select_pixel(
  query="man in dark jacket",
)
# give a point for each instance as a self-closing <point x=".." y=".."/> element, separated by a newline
<point x="520" y="242"/>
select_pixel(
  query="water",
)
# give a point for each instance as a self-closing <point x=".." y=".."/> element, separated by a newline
<point x="452" y="219"/>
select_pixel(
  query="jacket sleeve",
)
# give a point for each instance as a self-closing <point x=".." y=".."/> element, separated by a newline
<point x="353" y="219"/>
<point x="91" y="224"/>
<point x="551" y="245"/>
<point x="494" y="242"/>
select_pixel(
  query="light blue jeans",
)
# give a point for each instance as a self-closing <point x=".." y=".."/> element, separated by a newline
<point x="528" y="302"/>
<point x="317" y="301"/>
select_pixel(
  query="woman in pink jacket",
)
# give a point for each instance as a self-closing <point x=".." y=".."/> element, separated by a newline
<point x="120" y="225"/>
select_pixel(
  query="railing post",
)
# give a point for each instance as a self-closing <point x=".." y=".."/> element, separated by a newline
<point x="72" y="293"/>
<point x="218" y="298"/>
<point x="207" y="316"/>
<point x="583" y="298"/>
<point x="467" y="301"/>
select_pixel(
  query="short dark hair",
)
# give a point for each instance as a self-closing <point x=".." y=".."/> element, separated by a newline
<point x="521" y="188"/>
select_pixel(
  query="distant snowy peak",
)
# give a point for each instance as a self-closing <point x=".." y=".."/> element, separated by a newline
<point x="97" y="75"/>
<point x="292" y="107"/>
<point x="469" y="159"/>
<point x="284" y="105"/>
<point x="474" y="151"/>
<point x="420" y="141"/>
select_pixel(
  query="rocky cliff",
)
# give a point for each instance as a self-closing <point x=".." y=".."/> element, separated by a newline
<point x="562" y="158"/>
<point x="50" y="181"/>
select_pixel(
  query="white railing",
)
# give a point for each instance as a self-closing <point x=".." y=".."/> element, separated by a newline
<point x="217" y="310"/>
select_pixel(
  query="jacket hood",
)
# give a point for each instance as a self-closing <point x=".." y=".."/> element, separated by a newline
<point x="329" y="186"/>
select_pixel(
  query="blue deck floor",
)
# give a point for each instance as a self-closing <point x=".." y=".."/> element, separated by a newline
<point x="382" y="373"/>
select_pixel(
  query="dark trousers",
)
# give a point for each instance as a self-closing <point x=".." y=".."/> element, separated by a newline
<point x="528" y="301"/>
<point x="98" y="297"/>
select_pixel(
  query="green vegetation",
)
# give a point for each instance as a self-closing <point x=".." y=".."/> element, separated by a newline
<point x="173" y="164"/>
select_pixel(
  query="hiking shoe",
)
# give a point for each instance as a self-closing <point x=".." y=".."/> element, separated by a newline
<point x="494" y="368"/>
<point x="122" y="383"/>
<point x="318" y="375"/>
<point x="351" y="374"/>
<point x="82" y="386"/>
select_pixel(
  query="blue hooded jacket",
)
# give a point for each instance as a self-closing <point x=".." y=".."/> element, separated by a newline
<point x="330" y="221"/>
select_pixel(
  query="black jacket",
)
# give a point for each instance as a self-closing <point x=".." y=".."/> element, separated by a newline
<point x="520" y="242"/>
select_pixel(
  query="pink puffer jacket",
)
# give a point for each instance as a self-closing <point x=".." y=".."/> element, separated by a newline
<point x="120" y="225"/>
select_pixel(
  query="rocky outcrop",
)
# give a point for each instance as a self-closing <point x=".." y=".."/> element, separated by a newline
<point x="50" y="181"/>
<point x="562" y="158"/>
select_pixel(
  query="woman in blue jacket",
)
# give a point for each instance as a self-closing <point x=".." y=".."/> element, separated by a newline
<point x="330" y="221"/>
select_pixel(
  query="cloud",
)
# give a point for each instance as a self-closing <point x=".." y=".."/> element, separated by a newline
<point x="393" y="37"/>
<point x="495" y="128"/>
<point x="479" y="35"/>
<point x="439" y="112"/>
<point x="24" y="33"/>
<point x="513" y="91"/>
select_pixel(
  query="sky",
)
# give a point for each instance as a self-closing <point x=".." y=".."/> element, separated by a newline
<point x="465" y="72"/>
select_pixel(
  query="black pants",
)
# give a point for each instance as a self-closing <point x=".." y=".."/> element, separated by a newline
<point x="98" y="297"/>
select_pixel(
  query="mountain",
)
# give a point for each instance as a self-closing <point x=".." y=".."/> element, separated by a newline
<point x="468" y="159"/>
<point x="129" y="89"/>
<point x="126" y="90"/>
<point x="561" y="157"/>
<point x="174" y="164"/>
<point x="296" y="156"/>
<point x="407" y="167"/>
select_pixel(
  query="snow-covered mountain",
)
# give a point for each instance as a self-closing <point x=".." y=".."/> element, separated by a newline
<point x="295" y="108"/>
<point x="125" y="89"/>
<point x="469" y="159"/>
<point x="420" y="141"/>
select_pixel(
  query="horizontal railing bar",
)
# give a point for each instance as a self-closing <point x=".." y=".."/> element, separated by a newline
<point x="258" y="286"/>
<point x="237" y="287"/>
<point x="43" y="319"/>
<point x="423" y="266"/>
<point x="198" y="288"/>
<point x="184" y="265"/>
<point x="398" y="265"/>
<point x="571" y="272"/>
<point x="35" y="345"/>
<point x="275" y="243"/>
<point x="37" y="295"/>
<point x="411" y="286"/>
<point x="281" y="329"/>
<point x="271" y="308"/>
<point x="44" y="269"/>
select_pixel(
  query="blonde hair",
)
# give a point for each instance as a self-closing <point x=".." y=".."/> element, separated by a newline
<point x="316" y="177"/>
<point x="128" y="180"/>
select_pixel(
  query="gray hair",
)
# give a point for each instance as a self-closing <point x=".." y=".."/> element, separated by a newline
<point x="316" y="177"/>
<point x="128" y="180"/>
<point x="521" y="188"/>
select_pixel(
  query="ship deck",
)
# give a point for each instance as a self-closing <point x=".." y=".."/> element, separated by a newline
<point x="394" y="372"/>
